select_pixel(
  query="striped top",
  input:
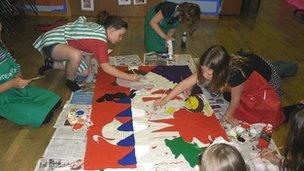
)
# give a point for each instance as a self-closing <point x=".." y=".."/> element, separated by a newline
<point x="8" y="67"/>
<point x="79" y="29"/>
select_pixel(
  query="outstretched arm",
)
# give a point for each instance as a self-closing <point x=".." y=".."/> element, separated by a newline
<point x="6" y="86"/>
<point x="270" y="156"/>
<point x="154" y="24"/>
<point x="182" y="86"/>
<point x="106" y="67"/>
<point x="236" y="93"/>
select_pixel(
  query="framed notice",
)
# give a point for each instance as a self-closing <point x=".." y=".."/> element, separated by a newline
<point x="124" y="2"/>
<point x="87" y="5"/>
<point x="139" y="2"/>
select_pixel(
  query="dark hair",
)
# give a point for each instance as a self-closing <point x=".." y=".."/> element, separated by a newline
<point x="294" y="151"/>
<point x="107" y="20"/>
<point x="217" y="59"/>
<point x="190" y="15"/>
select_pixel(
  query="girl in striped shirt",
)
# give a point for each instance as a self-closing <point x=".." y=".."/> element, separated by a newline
<point x="66" y="43"/>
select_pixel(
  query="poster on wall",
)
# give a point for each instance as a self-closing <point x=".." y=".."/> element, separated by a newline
<point x="87" y="5"/>
<point x="52" y="6"/>
<point x="124" y="2"/>
<point x="138" y="2"/>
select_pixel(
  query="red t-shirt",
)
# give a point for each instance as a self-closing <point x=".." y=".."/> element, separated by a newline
<point x="97" y="47"/>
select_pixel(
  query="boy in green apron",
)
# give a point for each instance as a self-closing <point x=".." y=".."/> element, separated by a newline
<point x="162" y="20"/>
<point x="21" y="103"/>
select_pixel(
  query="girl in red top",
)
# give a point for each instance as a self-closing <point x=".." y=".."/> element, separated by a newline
<point x="66" y="43"/>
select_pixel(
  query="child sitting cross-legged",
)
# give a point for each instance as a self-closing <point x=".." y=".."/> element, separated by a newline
<point x="21" y="103"/>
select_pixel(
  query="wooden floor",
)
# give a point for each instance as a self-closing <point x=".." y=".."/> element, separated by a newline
<point x="273" y="33"/>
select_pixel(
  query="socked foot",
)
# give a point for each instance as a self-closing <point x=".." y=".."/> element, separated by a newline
<point x="72" y="85"/>
<point x="48" y="64"/>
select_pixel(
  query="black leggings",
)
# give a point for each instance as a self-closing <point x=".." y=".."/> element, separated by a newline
<point x="48" y="50"/>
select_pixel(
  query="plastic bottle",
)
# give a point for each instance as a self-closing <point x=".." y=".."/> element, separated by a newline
<point x="184" y="38"/>
<point x="170" y="49"/>
<point x="265" y="136"/>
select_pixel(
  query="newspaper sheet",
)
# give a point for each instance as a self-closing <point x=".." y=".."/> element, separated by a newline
<point x="125" y="60"/>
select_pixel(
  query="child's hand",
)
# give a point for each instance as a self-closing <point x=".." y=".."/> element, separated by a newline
<point x="270" y="156"/>
<point x="134" y="77"/>
<point x="18" y="82"/>
<point x="231" y="119"/>
<point x="186" y="93"/>
<point x="159" y="103"/>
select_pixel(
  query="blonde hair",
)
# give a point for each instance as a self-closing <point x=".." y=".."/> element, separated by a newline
<point x="222" y="157"/>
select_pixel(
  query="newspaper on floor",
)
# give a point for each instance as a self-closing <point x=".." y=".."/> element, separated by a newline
<point x="184" y="59"/>
<point x="152" y="59"/>
<point x="74" y="116"/>
<point x="45" y="164"/>
<point x="67" y="133"/>
<point x="82" y="98"/>
<point x="94" y="68"/>
<point x="65" y="149"/>
<point x="125" y="60"/>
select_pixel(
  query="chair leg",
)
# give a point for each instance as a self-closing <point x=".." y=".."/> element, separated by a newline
<point x="258" y="6"/>
<point x="245" y="4"/>
<point x="295" y="12"/>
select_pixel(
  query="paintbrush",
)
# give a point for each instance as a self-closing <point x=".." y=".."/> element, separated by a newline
<point x="133" y="71"/>
<point x="278" y="152"/>
<point x="161" y="97"/>
<point x="36" y="78"/>
<point x="164" y="94"/>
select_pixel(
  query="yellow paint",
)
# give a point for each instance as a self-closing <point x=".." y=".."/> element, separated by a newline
<point x="170" y="110"/>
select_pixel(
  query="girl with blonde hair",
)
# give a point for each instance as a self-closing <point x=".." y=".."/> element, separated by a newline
<point x="222" y="157"/>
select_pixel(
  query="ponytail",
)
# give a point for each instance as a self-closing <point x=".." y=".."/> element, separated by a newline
<point x="107" y="20"/>
<point x="102" y="17"/>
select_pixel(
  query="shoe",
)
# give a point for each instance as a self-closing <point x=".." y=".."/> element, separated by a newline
<point x="48" y="64"/>
<point x="72" y="85"/>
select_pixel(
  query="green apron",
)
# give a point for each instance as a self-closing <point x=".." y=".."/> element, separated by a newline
<point x="27" y="106"/>
<point x="153" y="41"/>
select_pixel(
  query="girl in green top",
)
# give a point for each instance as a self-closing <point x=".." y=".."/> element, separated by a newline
<point x="19" y="102"/>
<point x="162" y="20"/>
